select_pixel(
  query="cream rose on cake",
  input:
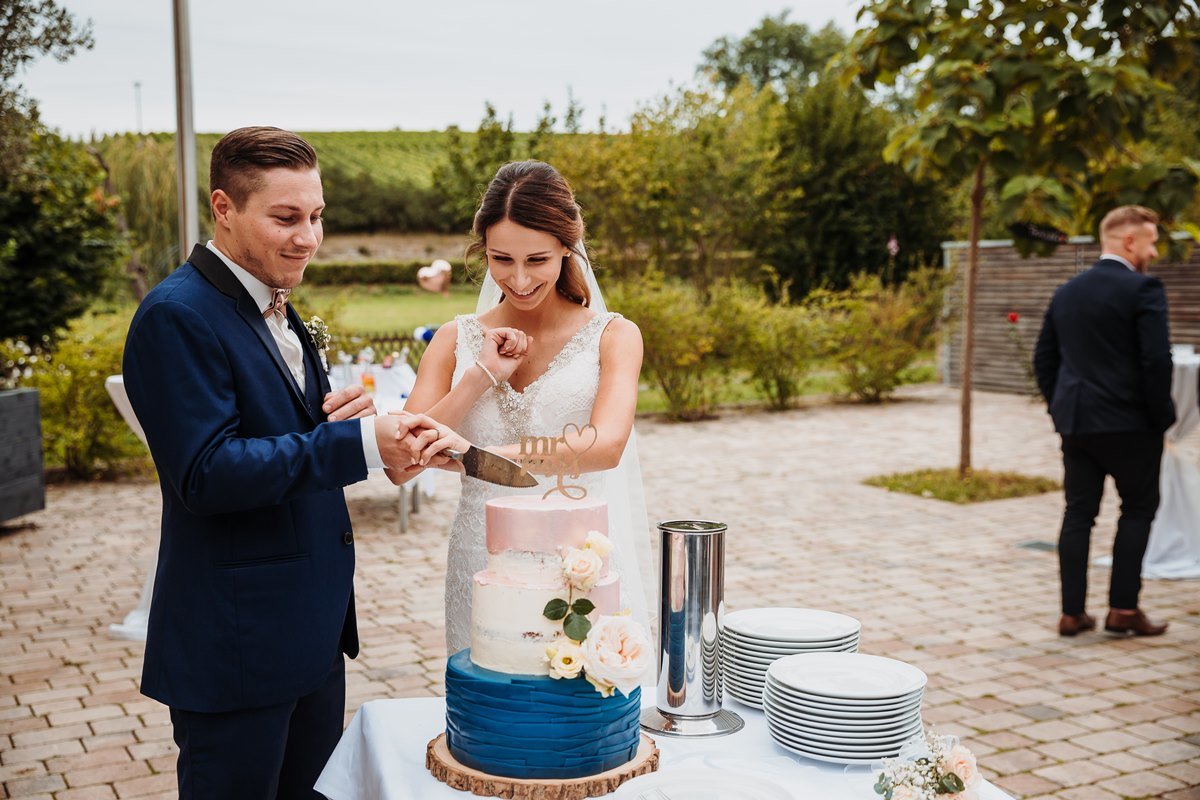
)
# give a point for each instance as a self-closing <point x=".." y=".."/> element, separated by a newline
<point x="582" y="567"/>
<point x="565" y="659"/>
<point x="616" y="654"/>
<point x="598" y="543"/>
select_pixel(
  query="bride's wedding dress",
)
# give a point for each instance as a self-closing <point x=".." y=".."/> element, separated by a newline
<point x="563" y="394"/>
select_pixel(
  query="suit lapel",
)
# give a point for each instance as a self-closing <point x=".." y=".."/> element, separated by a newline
<point x="216" y="273"/>
<point x="316" y="384"/>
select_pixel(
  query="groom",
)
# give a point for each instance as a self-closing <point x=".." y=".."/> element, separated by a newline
<point x="253" y="605"/>
<point x="1103" y="363"/>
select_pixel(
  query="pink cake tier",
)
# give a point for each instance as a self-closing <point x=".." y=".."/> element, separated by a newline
<point x="526" y="537"/>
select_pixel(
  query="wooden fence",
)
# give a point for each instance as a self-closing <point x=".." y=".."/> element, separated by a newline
<point x="1009" y="283"/>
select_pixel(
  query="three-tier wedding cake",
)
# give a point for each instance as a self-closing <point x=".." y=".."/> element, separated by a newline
<point x="549" y="687"/>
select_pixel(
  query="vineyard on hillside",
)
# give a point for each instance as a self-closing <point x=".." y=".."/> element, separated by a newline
<point x="388" y="156"/>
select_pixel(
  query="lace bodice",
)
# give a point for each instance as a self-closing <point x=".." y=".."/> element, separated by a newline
<point x="563" y="394"/>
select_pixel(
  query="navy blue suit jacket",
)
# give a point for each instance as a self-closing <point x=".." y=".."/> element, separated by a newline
<point x="1103" y="358"/>
<point x="253" y="599"/>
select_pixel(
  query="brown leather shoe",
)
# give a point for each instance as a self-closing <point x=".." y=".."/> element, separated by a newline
<point x="1070" y="625"/>
<point x="1134" y="622"/>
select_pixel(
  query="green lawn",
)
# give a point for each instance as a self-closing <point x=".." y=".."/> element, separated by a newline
<point x="375" y="310"/>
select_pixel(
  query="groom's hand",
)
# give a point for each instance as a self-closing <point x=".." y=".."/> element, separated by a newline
<point x="401" y="440"/>
<point x="351" y="402"/>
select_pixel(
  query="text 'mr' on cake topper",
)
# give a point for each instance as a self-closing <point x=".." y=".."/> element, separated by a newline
<point x="561" y="455"/>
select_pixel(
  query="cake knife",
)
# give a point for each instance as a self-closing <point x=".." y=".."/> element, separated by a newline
<point x="492" y="468"/>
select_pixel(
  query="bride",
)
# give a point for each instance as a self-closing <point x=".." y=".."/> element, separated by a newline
<point x="540" y="352"/>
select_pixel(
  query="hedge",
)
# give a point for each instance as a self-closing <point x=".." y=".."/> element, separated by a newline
<point x="345" y="273"/>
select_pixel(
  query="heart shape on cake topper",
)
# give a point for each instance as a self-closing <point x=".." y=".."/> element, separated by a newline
<point x="568" y="465"/>
<point x="587" y="432"/>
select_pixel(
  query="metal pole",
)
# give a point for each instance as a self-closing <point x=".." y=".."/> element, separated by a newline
<point x="137" y="103"/>
<point x="185" y="135"/>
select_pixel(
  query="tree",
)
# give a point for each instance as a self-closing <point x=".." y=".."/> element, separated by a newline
<point x="58" y="238"/>
<point x="838" y="202"/>
<point x="29" y="29"/>
<point x="1033" y="98"/>
<point x="471" y="163"/>
<point x="775" y="54"/>
<point x="684" y="189"/>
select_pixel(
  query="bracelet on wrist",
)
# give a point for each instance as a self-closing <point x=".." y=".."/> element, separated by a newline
<point x="488" y="372"/>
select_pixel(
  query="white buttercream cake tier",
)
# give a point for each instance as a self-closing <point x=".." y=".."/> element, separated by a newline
<point x="526" y="537"/>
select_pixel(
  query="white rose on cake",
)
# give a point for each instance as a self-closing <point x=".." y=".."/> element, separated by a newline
<point x="616" y="654"/>
<point x="582" y="568"/>
<point x="598" y="543"/>
<point x="565" y="659"/>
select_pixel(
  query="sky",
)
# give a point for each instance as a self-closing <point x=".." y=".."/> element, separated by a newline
<point x="314" y="65"/>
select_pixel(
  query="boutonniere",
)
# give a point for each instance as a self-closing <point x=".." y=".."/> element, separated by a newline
<point x="318" y="332"/>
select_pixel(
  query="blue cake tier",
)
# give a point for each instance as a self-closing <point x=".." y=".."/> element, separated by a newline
<point x="533" y="726"/>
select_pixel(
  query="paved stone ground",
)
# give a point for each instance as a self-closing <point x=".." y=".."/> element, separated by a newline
<point x="942" y="586"/>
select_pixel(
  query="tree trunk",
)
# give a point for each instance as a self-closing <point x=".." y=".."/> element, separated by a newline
<point x="968" y="334"/>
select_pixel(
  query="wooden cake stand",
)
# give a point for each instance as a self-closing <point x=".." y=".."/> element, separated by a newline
<point x="447" y="769"/>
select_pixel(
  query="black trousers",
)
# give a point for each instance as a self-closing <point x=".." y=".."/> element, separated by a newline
<point x="1134" y="461"/>
<point x="271" y="753"/>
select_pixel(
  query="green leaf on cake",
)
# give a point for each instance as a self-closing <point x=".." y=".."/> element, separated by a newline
<point x="556" y="609"/>
<point x="583" y="606"/>
<point x="576" y="627"/>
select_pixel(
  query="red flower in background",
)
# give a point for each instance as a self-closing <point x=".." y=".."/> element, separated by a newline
<point x="1013" y="317"/>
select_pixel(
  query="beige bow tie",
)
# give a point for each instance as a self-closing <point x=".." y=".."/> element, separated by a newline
<point x="278" y="305"/>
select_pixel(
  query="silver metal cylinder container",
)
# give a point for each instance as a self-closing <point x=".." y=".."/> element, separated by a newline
<point x="691" y="608"/>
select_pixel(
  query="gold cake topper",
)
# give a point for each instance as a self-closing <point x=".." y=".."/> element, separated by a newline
<point x="541" y="451"/>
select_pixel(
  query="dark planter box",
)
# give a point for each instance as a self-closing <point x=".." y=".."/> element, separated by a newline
<point x="22" y="480"/>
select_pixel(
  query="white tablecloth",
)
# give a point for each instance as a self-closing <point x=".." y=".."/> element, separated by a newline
<point x="133" y="626"/>
<point x="1174" y="549"/>
<point x="392" y="385"/>
<point x="381" y="756"/>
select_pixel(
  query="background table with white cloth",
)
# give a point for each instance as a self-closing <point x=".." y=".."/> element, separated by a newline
<point x="392" y="385"/>
<point x="381" y="756"/>
<point x="1174" y="549"/>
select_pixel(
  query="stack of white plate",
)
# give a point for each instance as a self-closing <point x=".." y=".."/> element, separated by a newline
<point x="755" y="637"/>
<point x="847" y="708"/>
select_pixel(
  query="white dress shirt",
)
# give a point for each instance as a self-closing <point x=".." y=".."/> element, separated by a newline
<point x="292" y="351"/>
<point x="1116" y="257"/>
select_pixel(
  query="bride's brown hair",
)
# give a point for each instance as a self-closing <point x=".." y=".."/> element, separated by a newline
<point x="534" y="195"/>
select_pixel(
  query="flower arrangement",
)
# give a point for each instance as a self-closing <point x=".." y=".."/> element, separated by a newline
<point x="318" y="331"/>
<point x="932" y="767"/>
<point x="611" y="653"/>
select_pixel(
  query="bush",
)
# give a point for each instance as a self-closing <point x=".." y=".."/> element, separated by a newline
<point x="875" y="332"/>
<point x="347" y="273"/>
<point x="58" y="238"/>
<point x="81" y="428"/>
<point x="774" y="342"/>
<point x="680" y="340"/>
<point x="785" y="345"/>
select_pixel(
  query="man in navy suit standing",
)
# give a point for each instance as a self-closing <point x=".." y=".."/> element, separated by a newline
<point x="1103" y="363"/>
<point x="253" y="606"/>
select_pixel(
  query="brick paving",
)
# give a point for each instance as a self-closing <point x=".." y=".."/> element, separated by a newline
<point x="942" y="586"/>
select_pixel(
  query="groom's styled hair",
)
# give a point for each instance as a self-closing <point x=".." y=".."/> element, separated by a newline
<point x="242" y="155"/>
<point x="535" y="195"/>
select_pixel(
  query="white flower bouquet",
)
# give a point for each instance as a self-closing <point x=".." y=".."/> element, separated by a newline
<point x="930" y="768"/>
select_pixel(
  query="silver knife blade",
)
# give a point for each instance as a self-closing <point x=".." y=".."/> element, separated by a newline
<point x="492" y="468"/>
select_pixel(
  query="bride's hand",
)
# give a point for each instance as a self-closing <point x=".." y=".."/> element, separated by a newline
<point x="446" y="438"/>
<point x="503" y="351"/>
